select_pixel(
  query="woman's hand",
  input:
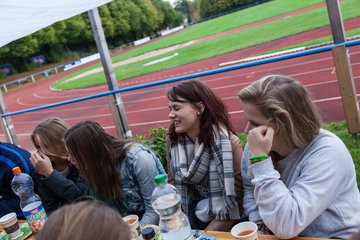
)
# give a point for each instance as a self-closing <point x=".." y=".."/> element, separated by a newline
<point x="260" y="140"/>
<point x="41" y="163"/>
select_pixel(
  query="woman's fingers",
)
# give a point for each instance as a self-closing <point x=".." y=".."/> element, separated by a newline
<point x="269" y="135"/>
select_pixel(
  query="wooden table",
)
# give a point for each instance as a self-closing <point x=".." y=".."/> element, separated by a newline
<point x="227" y="236"/>
<point x="219" y="235"/>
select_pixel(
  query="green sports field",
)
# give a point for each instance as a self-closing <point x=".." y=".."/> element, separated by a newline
<point x="239" y="40"/>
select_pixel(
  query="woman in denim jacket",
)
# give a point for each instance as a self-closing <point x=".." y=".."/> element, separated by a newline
<point x="119" y="172"/>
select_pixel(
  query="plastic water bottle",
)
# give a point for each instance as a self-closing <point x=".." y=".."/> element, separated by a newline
<point x="173" y="224"/>
<point x="30" y="203"/>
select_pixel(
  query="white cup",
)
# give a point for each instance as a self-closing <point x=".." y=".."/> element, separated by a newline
<point x="11" y="226"/>
<point x="133" y="223"/>
<point x="245" y="231"/>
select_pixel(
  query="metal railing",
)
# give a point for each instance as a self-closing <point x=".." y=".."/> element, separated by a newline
<point x="31" y="77"/>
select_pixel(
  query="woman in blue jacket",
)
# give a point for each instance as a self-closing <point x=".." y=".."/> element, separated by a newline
<point x="119" y="172"/>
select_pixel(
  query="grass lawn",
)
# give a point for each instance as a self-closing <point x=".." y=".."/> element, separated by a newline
<point x="238" y="40"/>
<point x="221" y="24"/>
<point x="351" y="142"/>
<point x="350" y="33"/>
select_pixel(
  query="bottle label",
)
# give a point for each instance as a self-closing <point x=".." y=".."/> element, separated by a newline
<point x="36" y="218"/>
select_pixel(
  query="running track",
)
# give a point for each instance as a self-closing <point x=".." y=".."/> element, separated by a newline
<point x="147" y="108"/>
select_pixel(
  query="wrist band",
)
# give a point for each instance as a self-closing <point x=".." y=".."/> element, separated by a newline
<point x="258" y="158"/>
<point x="262" y="157"/>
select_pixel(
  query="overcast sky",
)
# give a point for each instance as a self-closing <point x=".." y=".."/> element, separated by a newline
<point x="171" y="2"/>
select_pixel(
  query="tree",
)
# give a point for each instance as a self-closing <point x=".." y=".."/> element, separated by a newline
<point x="183" y="6"/>
<point x="123" y="21"/>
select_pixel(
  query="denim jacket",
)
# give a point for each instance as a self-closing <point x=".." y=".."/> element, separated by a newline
<point x="137" y="172"/>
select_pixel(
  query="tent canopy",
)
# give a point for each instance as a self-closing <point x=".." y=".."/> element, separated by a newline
<point x="19" y="18"/>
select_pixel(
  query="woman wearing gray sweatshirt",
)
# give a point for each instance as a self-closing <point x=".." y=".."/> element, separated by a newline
<point x="299" y="179"/>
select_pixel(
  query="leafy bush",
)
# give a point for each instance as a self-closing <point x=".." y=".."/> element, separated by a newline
<point x="32" y="66"/>
<point x="2" y="75"/>
<point x="156" y="141"/>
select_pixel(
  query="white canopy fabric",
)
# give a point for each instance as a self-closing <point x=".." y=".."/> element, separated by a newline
<point x="19" y="18"/>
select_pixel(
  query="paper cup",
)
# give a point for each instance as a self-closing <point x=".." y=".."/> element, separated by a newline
<point x="245" y="231"/>
<point x="133" y="223"/>
<point x="10" y="225"/>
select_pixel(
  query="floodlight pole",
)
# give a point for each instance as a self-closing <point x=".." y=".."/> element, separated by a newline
<point x="6" y="123"/>
<point x="343" y="68"/>
<point x="116" y="104"/>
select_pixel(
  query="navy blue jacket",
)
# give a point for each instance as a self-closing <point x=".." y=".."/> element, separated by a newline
<point x="10" y="157"/>
<point x="57" y="189"/>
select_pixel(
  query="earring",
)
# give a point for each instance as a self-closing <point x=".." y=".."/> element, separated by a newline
<point x="198" y="113"/>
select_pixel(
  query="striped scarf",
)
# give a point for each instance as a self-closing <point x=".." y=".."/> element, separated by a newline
<point x="214" y="165"/>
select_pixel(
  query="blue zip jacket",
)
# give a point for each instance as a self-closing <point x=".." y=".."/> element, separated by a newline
<point x="10" y="157"/>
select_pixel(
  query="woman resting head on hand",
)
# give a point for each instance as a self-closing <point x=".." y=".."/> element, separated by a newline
<point x="299" y="179"/>
<point x="51" y="153"/>
<point x="60" y="181"/>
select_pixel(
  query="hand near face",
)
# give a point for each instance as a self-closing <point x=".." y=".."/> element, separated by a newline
<point x="260" y="140"/>
<point x="41" y="163"/>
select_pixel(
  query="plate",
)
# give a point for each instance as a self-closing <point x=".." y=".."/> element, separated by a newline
<point x="25" y="230"/>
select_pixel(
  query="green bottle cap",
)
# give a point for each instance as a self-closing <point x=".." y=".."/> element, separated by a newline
<point x="160" y="179"/>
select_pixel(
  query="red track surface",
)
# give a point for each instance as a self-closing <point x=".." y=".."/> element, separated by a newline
<point x="148" y="107"/>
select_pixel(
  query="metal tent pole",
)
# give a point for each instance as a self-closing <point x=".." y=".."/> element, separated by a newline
<point x="116" y="104"/>
<point x="343" y="68"/>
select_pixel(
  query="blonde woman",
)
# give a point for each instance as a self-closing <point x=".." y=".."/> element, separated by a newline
<point x="299" y="179"/>
<point x="60" y="181"/>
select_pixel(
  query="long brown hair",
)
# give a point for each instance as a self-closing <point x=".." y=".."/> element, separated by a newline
<point x="50" y="132"/>
<point x="85" y="220"/>
<point x="215" y="111"/>
<point x="97" y="155"/>
<point x="287" y="104"/>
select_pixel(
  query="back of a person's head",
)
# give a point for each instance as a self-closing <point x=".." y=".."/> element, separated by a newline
<point x="85" y="220"/>
<point x="287" y="104"/>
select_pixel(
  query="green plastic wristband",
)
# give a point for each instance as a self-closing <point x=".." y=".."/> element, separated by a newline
<point x="255" y="161"/>
<point x="262" y="157"/>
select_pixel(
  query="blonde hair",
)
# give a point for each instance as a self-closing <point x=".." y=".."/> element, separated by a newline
<point x="288" y="105"/>
<point x="85" y="220"/>
<point x="48" y="136"/>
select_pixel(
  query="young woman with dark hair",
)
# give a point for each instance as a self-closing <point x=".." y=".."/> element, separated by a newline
<point x="299" y="179"/>
<point x="119" y="172"/>
<point x="204" y="156"/>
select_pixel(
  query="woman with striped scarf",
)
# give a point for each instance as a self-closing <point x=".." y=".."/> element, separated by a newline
<point x="204" y="156"/>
